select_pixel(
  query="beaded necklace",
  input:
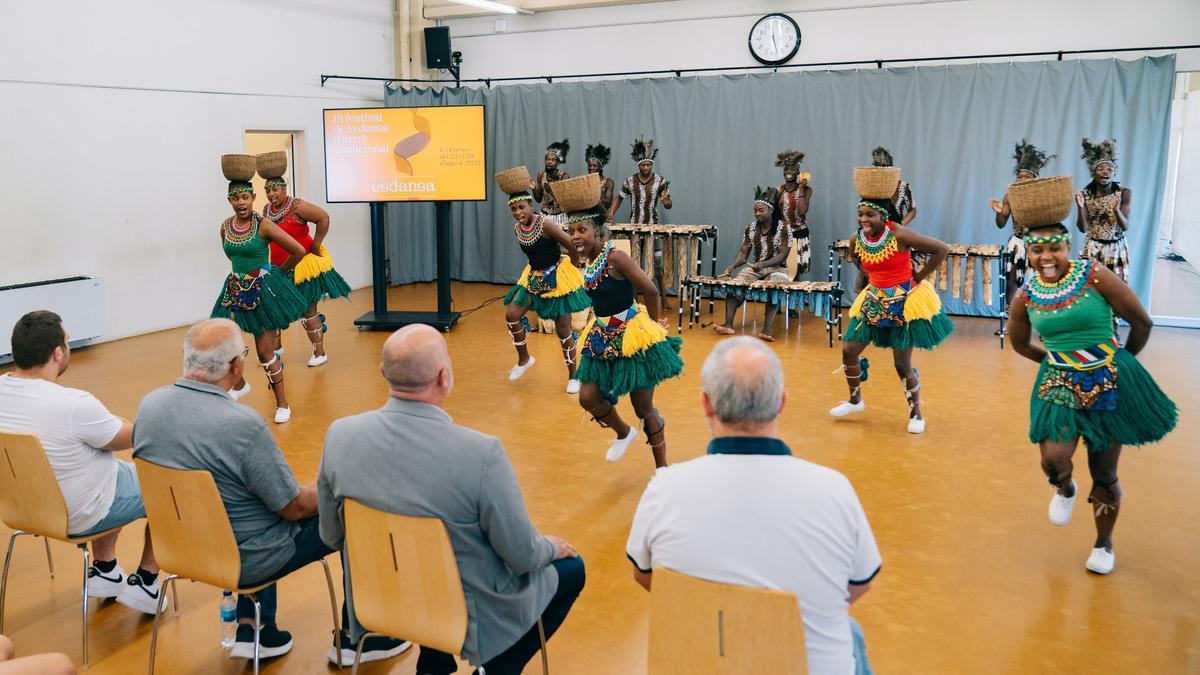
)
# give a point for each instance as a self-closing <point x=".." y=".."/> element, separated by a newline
<point x="1063" y="293"/>
<point x="527" y="234"/>
<point x="283" y="212"/>
<point x="237" y="235"/>
<point x="874" y="252"/>
<point x="597" y="269"/>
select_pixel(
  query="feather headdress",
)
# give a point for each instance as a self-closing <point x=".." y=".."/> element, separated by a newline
<point x="559" y="149"/>
<point x="1104" y="152"/>
<point x="789" y="159"/>
<point x="643" y="150"/>
<point x="1029" y="158"/>
<point x="768" y="195"/>
<point x="598" y="152"/>
<point x="881" y="157"/>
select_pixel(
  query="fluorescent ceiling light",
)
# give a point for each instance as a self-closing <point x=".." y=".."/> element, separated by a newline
<point x="497" y="7"/>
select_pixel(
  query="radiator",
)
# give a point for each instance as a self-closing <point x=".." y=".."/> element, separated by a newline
<point x="78" y="300"/>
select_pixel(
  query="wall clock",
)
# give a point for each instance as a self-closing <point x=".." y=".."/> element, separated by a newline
<point x="774" y="39"/>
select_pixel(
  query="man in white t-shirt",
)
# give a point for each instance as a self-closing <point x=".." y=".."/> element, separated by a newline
<point x="79" y="436"/>
<point x="751" y="514"/>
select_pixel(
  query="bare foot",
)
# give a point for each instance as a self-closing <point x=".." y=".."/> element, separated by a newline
<point x="723" y="330"/>
<point x="765" y="337"/>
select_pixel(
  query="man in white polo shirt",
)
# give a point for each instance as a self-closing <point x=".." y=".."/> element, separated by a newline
<point x="79" y="436"/>
<point x="751" y="514"/>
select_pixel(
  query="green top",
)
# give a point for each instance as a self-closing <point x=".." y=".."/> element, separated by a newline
<point x="1077" y="319"/>
<point x="248" y="253"/>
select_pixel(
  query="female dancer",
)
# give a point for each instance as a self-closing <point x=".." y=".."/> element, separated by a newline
<point x="795" y="196"/>
<point x="1104" y="210"/>
<point x="1030" y="162"/>
<point x="1088" y="385"/>
<point x="314" y="275"/>
<point x="257" y="296"/>
<point x="551" y="285"/>
<point x="625" y="349"/>
<point x="897" y="310"/>
<point x="597" y="157"/>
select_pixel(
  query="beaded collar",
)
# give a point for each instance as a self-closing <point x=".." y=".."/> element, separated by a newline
<point x="875" y="252"/>
<point x="597" y="269"/>
<point x="526" y="235"/>
<point x="237" y="235"/>
<point x="283" y="212"/>
<point x="1043" y="297"/>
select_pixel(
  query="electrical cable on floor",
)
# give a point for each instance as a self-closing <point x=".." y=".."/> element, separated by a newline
<point x="478" y="307"/>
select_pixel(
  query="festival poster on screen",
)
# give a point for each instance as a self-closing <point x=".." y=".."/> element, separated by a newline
<point x="405" y="154"/>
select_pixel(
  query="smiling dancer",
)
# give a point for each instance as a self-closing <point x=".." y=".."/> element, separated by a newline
<point x="795" y="196"/>
<point x="1103" y="210"/>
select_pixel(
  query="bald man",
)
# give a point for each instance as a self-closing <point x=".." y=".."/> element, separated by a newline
<point x="749" y="513"/>
<point x="410" y="458"/>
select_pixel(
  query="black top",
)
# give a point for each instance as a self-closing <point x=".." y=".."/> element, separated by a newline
<point x="611" y="296"/>
<point x="543" y="253"/>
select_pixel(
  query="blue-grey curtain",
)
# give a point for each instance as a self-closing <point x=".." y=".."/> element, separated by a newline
<point x="950" y="128"/>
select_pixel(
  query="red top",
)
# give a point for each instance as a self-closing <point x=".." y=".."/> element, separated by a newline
<point x="287" y="221"/>
<point x="886" y="265"/>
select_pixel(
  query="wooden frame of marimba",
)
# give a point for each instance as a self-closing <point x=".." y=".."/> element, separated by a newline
<point x="781" y="293"/>
<point x="642" y="236"/>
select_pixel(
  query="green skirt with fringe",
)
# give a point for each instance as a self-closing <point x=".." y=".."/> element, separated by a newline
<point x="549" y="308"/>
<point x="327" y="284"/>
<point x="919" y="333"/>
<point x="260" y="304"/>
<point x="1118" y="403"/>
<point x="641" y="371"/>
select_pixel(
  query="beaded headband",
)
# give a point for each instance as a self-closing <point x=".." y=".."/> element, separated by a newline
<point x="520" y="198"/>
<point x="875" y="207"/>
<point x="238" y="189"/>
<point x="1061" y="237"/>
<point x="578" y="219"/>
<point x="765" y="203"/>
<point x="1109" y="162"/>
<point x="280" y="182"/>
<point x="645" y="161"/>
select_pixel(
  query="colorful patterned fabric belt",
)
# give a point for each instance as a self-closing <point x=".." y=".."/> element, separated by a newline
<point x="1085" y="359"/>
<point x="617" y="320"/>
<point x="541" y="282"/>
<point x="605" y="340"/>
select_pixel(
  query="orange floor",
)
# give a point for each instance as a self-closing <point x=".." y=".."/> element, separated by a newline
<point x="974" y="580"/>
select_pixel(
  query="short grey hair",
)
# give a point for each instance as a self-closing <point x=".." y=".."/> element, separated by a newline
<point x="744" y="381"/>
<point x="208" y="357"/>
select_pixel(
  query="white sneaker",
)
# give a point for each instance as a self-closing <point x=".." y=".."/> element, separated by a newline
<point x="916" y="425"/>
<point x="616" y="449"/>
<point x="101" y="585"/>
<point x="238" y="394"/>
<point x="1101" y="561"/>
<point x="317" y="360"/>
<point x="845" y="408"/>
<point x="1061" y="507"/>
<point x="519" y="370"/>
<point x="282" y="415"/>
<point x="137" y="595"/>
<point x="573" y="386"/>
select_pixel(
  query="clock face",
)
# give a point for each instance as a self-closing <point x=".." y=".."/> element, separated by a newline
<point x="774" y="39"/>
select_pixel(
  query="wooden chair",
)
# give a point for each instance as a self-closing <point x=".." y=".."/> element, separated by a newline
<point x="194" y="540"/>
<point x="404" y="578"/>
<point x="32" y="503"/>
<point x="709" y="628"/>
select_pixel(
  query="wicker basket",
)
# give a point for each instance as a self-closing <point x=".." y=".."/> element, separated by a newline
<point x="577" y="194"/>
<point x="238" y="167"/>
<point x="514" y="180"/>
<point x="1044" y="201"/>
<point x="876" y="182"/>
<point x="272" y="164"/>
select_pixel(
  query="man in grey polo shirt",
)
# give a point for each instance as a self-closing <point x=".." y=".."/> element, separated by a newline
<point x="751" y="514"/>
<point x="195" y="425"/>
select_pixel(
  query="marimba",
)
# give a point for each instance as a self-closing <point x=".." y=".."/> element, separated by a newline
<point x="782" y="293"/>
<point x="683" y="251"/>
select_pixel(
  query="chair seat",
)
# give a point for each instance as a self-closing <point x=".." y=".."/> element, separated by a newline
<point x="83" y="538"/>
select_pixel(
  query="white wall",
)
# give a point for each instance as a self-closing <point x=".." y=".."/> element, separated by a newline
<point x="681" y="34"/>
<point x="1184" y="216"/>
<point x="113" y="118"/>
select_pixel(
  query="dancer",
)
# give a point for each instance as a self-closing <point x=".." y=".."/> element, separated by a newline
<point x="1030" y="162"/>
<point x="647" y="189"/>
<point x="902" y="201"/>
<point x="898" y="310"/>
<point x="626" y="350"/>
<point x="770" y="241"/>
<point x="1103" y="210"/>
<point x="1088" y="385"/>
<point x="314" y="275"/>
<point x="795" y="195"/>
<point x="556" y="154"/>
<point x="551" y="285"/>
<point x="597" y="158"/>
<point x="257" y="296"/>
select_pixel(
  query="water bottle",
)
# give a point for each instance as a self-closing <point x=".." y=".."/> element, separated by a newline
<point x="228" y="619"/>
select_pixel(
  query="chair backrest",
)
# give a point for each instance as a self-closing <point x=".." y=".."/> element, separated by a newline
<point x="30" y="499"/>
<point x="404" y="577"/>
<point x="709" y="628"/>
<point x="192" y="534"/>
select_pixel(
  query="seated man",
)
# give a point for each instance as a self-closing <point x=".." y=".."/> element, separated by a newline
<point x="410" y="458"/>
<point x="765" y="244"/>
<point x="749" y="513"/>
<point x="79" y="436"/>
<point x="195" y="424"/>
<point x="38" y="664"/>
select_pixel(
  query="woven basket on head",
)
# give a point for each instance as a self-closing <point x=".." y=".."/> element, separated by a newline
<point x="876" y="182"/>
<point x="1044" y="201"/>
<point x="577" y="194"/>
<point x="238" y="167"/>
<point x="514" y="180"/>
<point x="272" y="164"/>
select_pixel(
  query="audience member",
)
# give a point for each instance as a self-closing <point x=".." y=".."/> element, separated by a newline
<point x="38" y="664"/>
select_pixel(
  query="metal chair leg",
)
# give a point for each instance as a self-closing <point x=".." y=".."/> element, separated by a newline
<point x="545" y="656"/>
<point x="257" y="629"/>
<point x="337" y="633"/>
<point x="174" y="597"/>
<point x="358" y="652"/>
<point x="87" y="564"/>
<point x="49" y="559"/>
<point x="4" y="577"/>
<point x="169" y="581"/>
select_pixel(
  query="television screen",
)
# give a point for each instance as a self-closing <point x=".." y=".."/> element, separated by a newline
<point x="405" y="154"/>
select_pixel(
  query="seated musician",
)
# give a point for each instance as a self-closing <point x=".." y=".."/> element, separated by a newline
<point x="769" y="243"/>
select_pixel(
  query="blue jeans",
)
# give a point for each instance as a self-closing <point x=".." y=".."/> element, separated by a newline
<point x="309" y="549"/>
<point x="862" y="666"/>
<point x="127" y="503"/>
<point x="571" y="577"/>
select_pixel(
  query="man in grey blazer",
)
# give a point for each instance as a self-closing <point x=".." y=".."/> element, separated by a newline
<point x="410" y="458"/>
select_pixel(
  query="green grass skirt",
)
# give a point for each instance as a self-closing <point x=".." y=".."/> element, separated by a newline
<point x="549" y="308"/>
<point x="327" y="284"/>
<point x="641" y="371"/>
<point x="1144" y="414"/>
<point x="918" y="333"/>
<point x="279" y="305"/>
